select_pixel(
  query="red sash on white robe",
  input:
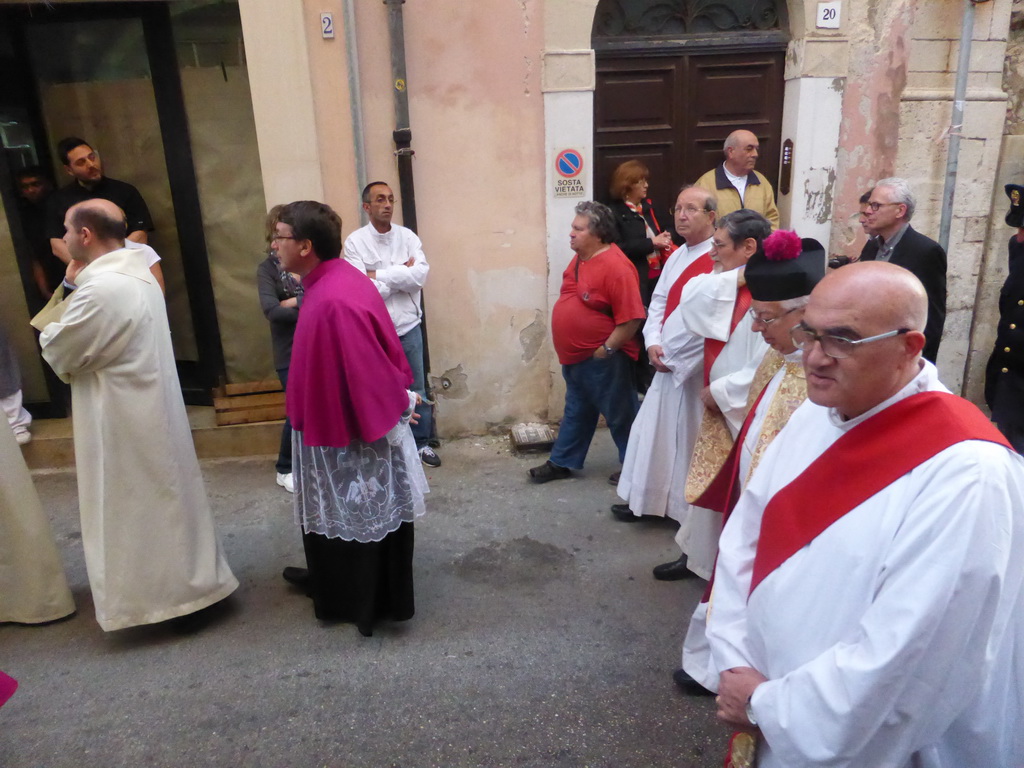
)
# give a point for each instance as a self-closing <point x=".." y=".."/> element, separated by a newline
<point x="861" y="463"/>
<point x="702" y="265"/>
<point x="713" y="347"/>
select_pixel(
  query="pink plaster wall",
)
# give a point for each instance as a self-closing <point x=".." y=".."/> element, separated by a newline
<point x="477" y="122"/>
<point x="869" y="137"/>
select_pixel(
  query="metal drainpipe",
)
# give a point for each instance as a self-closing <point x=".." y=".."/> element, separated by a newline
<point x="953" y="159"/>
<point x="404" y="153"/>
<point x="403" y="133"/>
<point x="354" y="94"/>
<point x="957" y="120"/>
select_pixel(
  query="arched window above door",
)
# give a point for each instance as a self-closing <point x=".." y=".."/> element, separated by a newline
<point x="617" y="19"/>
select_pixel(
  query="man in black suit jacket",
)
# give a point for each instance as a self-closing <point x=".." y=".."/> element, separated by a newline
<point x="889" y="209"/>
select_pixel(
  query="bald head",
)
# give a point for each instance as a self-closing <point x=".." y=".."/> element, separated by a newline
<point x="93" y="228"/>
<point x="889" y="295"/>
<point x="858" y="302"/>
<point x="741" y="150"/>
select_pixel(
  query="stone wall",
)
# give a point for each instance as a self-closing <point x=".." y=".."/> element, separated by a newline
<point x="1010" y="169"/>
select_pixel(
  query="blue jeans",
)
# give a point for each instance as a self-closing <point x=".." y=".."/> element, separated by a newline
<point x="412" y="345"/>
<point x="592" y="388"/>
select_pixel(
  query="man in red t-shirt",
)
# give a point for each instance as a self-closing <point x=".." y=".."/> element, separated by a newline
<point x="593" y="326"/>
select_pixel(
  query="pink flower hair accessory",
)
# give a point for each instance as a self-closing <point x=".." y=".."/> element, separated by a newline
<point x="782" y="245"/>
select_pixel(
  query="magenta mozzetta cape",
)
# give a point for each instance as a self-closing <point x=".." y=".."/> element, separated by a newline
<point x="348" y="375"/>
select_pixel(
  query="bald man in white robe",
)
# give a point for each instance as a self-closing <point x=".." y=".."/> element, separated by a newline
<point x="869" y="593"/>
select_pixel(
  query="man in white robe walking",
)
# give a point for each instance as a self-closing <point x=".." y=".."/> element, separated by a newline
<point x="661" y="438"/>
<point x="715" y="309"/>
<point x="151" y="550"/>
<point x="869" y="592"/>
<point x="33" y="589"/>
<point x="780" y="287"/>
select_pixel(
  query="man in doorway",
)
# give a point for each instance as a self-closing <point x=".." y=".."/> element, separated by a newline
<point x="736" y="183"/>
<point x="869" y="592"/>
<point x="34" y="189"/>
<point x="82" y="163"/>
<point x="392" y="256"/>
<point x="661" y="440"/>
<point x="147" y="530"/>
<point x="891" y="238"/>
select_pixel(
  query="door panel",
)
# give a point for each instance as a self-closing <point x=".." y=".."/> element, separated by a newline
<point x="673" y="112"/>
<point x="108" y="73"/>
<point x="636" y="115"/>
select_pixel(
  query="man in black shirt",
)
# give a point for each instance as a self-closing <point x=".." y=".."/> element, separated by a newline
<point x="82" y="163"/>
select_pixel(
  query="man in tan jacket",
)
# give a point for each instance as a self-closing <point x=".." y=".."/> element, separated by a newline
<point x="736" y="183"/>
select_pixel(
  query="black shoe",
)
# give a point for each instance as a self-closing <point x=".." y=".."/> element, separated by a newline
<point x="624" y="514"/>
<point x="297" y="576"/>
<point x="428" y="457"/>
<point x="613" y="478"/>
<point x="673" y="571"/>
<point x="548" y="471"/>
<point x="690" y="686"/>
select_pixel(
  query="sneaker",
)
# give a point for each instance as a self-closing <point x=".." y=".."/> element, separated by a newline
<point x="286" y="482"/>
<point x="23" y="436"/>
<point x="428" y="457"/>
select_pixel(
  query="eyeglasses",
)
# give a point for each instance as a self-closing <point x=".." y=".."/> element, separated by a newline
<point x="769" y="320"/>
<point x="689" y="210"/>
<point x="282" y="237"/>
<point x="836" y="347"/>
<point x="873" y="207"/>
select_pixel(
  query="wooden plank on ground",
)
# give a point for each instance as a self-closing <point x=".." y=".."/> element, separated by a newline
<point x="251" y="387"/>
<point x="247" y="401"/>
<point x="250" y="415"/>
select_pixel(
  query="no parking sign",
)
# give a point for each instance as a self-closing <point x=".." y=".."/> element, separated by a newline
<point x="568" y="166"/>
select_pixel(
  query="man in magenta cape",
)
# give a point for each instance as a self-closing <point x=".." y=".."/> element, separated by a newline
<point x="358" y="481"/>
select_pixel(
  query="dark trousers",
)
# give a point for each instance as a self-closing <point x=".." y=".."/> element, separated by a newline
<point x="284" y="453"/>
<point x="362" y="583"/>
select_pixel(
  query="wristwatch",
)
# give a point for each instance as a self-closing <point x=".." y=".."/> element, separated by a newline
<point x="608" y="350"/>
<point x="750" y="712"/>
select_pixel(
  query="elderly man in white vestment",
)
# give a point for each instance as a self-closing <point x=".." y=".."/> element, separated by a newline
<point x="147" y="530"/>
<point x="715" y="308"/>
<point x="869" y="593"/>
<point x="661" y="438"/>
<point x="33" y="589"/>
<point x="780" y="278"/>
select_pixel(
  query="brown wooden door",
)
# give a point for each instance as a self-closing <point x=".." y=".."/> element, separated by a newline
<point x="674" y="111"/>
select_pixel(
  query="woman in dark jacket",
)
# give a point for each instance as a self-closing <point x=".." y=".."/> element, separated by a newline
<point x="642" y="238"/>
<point x="641" y="235"/>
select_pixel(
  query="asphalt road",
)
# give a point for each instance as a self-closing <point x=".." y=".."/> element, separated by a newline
<point x="540" y="639"/>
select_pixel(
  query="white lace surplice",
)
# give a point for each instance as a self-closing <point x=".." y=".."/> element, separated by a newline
<point x="361" y="492"/>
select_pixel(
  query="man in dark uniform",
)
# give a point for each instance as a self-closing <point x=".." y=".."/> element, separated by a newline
<point x="1004" y="376"/>
<point x="887" y="221"/>
<point x="82" y="163"/>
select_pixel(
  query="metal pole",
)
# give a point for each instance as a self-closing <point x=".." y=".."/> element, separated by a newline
<point x="403" y="132"/>
<point x="956" y="122"/>
<point x="404" y="153"/>
<point x="354" y="94"/>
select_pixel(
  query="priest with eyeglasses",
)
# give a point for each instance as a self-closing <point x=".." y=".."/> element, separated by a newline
<point x="869" y="593"/>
